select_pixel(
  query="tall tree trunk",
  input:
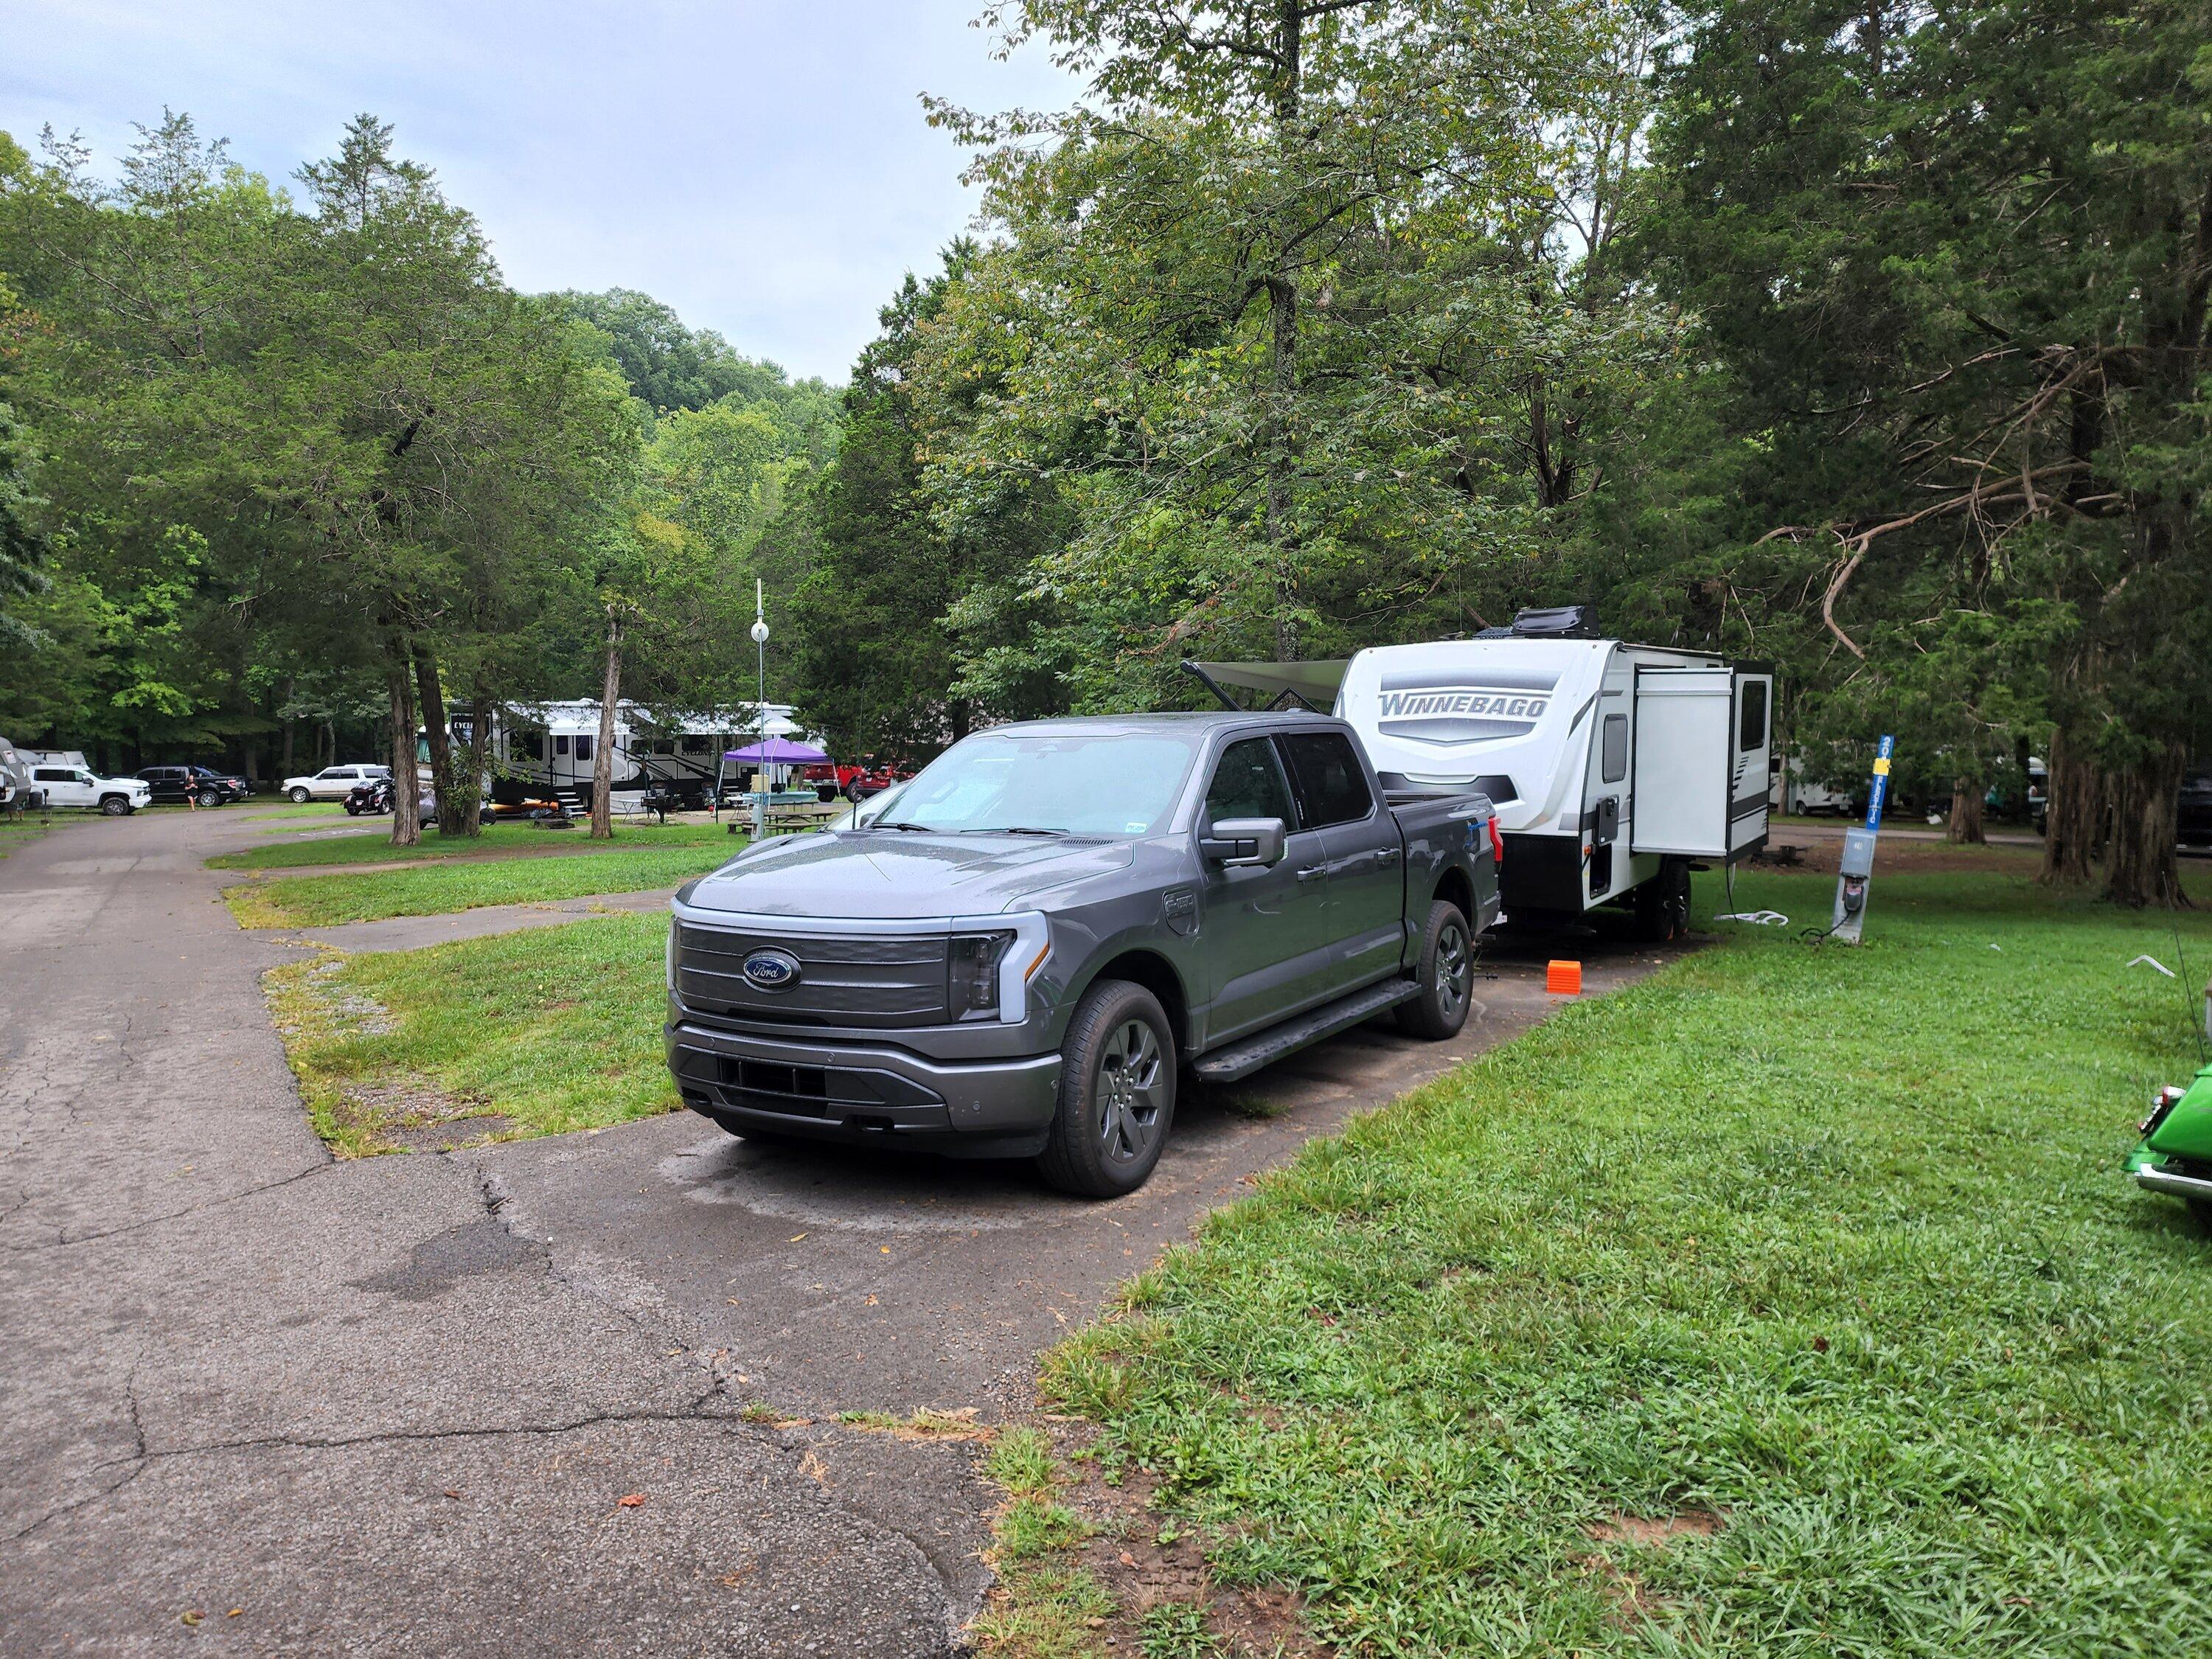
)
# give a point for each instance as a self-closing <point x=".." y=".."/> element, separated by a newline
<point x="602" y="757"/>
<point x="2143" y="869"/>
<point x="1965" y="828"/>
<point x="2072" y="812"/>
<point x="451" y="818"/>
<point x="407" y="827"/>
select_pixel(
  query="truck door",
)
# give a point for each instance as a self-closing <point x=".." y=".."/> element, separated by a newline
<point x="1364" y="915"/>
<point x="1265" y="949"/>
<point x="61" y="786"/>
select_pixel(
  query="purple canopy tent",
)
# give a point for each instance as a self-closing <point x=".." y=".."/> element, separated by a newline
<point x="777" y="751"/>
<point x="772" y="752"/>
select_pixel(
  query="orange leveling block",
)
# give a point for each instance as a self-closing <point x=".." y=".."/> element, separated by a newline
<point x="1563" y="979"/>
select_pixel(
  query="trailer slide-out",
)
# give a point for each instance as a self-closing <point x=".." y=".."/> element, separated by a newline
<point x="1613" y="765"/>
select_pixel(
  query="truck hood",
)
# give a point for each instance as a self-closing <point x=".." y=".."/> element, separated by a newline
<point x="897" y="875"/>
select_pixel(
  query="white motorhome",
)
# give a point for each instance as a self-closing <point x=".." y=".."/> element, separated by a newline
<point x="553" y="747"/>
<point x="1613" y="765"/>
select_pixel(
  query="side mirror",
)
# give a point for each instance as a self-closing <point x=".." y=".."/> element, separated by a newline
<point x="1244" y="841"/>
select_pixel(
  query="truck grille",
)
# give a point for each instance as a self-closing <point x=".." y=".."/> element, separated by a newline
<point x="888" y="981"/>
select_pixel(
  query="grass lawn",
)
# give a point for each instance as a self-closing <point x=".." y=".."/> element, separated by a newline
<point x="529" y="1033"/>
<point x="374" y="846"/>
<point x="630" y="865"/>
<point x="19" y="832"/>
<point x="1791" y="1302"/>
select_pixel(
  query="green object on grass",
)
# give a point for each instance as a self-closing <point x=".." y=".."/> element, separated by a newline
<point x="2174" y="1156"/>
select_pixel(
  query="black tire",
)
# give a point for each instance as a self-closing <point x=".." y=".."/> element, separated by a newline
<point x="1662" y="903"/>
<point x="210" y="799"/>
<point x="351" y="811"/>
<point x="2202" y="1209"/>
<point x="1117" y="1093"/>
<point x="299" y="797"/>
<point x="1445" y="973"/>
<point x="114" y="806"/>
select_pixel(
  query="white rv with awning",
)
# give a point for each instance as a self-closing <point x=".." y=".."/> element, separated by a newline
<point x="1613" y="765"/>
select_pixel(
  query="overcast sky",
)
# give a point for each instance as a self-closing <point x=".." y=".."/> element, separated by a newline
<point x="761" y="165"/>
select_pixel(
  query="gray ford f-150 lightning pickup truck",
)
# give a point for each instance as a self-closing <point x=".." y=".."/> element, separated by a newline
<point x="1016" y="958"/>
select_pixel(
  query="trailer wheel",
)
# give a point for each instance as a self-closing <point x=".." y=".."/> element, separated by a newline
<point x="1662" y="903"/>
<point x="1117" y="1093"/>
<point x="1445" y="973"/>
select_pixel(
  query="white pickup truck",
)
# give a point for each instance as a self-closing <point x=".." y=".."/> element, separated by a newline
<point x="72" y="786"/>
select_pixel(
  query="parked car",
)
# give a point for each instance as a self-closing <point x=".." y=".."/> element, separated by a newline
<point x="174" y="784"/>
<point x="331" y="783"/>
<point x="2193" y="811"/>
<point x="73" y="786"/>
<point x="1018" y="959"/>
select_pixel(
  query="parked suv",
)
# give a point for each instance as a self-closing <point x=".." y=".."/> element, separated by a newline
<point x="72" y="786"/>
<point x="1019" y="957"/>
<point x="331" y="783"/>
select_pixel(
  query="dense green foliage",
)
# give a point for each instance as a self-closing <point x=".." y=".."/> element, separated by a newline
<point x="1868" y="339"/>
<point x="1881" y="1314"/>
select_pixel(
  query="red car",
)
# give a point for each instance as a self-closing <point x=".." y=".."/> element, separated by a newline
<point x="854" y="781"/>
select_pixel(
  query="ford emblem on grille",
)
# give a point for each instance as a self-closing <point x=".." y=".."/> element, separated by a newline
<point x="771" y="971"/>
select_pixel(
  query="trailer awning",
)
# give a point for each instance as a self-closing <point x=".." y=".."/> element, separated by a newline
<point x="1316" y="682"/>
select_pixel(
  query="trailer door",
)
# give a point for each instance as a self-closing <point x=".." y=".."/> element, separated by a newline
<point x="1683" y="771"/>
<point x="1754" y="744"/>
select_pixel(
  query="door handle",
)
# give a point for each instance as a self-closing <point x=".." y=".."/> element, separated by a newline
<point x="1313" y="873"/>
<point x="1386" y="855"/>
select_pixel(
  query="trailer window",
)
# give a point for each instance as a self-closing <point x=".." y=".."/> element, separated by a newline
<point x="1614" y="757"/>
<point x="1332" y="788"/>
<point x="1751" y="730"/>
<point x="583" y="749"/>
<point x="560" y="745"/>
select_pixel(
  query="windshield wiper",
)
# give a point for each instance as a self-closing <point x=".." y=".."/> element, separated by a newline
<point x="1024" y="829"/>
<point x="897" y="823"/>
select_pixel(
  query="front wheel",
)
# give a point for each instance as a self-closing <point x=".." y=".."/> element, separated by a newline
<point x="299" y="797"/>
<point x="352" y="811"/>
<point x="209" y="798"/>
<point x="1117" y="1093"/>
<point x="1445" y="973"/>
<point x="115" y="807"/>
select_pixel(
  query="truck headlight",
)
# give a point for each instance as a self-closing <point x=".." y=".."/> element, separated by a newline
<point x="974" y="974"/>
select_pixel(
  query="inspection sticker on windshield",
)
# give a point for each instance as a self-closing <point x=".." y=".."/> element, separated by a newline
<point x="1136" y="828"/>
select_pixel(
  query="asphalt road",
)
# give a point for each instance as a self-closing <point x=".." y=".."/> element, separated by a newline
<point x="254" y="1398"/>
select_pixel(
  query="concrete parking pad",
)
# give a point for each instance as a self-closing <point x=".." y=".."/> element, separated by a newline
<point x="397" y="1404"/>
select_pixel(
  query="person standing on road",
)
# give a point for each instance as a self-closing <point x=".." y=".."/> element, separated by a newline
<point x="192" y="793"/>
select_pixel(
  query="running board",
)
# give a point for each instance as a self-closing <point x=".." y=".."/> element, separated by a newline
<point x="1227" y="1065"/>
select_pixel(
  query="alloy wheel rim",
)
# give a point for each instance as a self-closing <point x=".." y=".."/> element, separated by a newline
<point x="1452" y="967"/>
<point x="1132" y="1078"/>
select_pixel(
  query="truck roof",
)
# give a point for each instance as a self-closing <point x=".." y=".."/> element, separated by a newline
<point x="1203" y="719"/>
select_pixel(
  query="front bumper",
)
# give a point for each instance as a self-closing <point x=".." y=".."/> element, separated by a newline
<point x="867" y="1093"/>
<point x="2157" y="1173"/>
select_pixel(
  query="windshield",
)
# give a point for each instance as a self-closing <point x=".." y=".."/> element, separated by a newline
<point x="1075" y="783"/>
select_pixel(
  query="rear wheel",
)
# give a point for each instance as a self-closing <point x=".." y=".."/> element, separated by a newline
<point x="1445" y="973"/>
<point x="300" y="796"/>
<point x="114" y="806"/>
<point x="2202" y="1209"/>
<point x="1662" y="903"/>
<point x="1117" y="1093"/>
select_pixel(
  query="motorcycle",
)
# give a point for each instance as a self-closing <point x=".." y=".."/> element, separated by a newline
<point x="374" y="796"/>
<point x="2174" y="1156"/>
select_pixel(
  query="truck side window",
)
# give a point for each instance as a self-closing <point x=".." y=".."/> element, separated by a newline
<point x="1331" y="787"/>
<point x="1615" y="755"/>
<point x="1752" y="728"/>
<point x="1248" y="784"/>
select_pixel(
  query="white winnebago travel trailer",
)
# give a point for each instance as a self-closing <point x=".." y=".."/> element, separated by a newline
<point x="1613" y="765"/>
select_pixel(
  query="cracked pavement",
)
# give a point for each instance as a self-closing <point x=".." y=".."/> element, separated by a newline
<point x="256" y="1397"/>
